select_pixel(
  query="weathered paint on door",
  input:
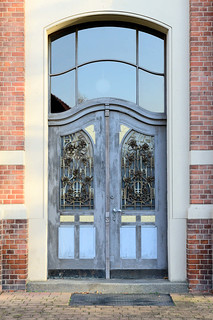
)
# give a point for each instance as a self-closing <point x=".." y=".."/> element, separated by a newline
<point x="137" y="194"/>
<point x="107" y="190"/>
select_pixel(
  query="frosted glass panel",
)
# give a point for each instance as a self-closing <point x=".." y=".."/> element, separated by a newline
<point x="151" y="91"/>
<point x="63" y="53"/>
<point x="107" y="79"/>
<point x="107" y="43"/>
<point x="62" y="92"/>
<point x="87" y="242"/>
<point x="128" y="242"/>
<point x="66" y="242"/>
<point x="151" y="52"/>
<point x="149" y="242"/>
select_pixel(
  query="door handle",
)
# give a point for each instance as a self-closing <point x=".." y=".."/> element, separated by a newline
<point x="114" y="212"/>
<point x="117" y="210"/>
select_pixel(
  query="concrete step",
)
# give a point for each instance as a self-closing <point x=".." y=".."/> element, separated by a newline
<point x="107" y="286"/>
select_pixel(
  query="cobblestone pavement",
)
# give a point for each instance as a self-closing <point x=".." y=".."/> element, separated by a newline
<point x="25" y="305"/>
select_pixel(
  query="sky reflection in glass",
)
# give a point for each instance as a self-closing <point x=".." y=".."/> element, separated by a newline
<point x="151" y="52"/>
<point x="63" y="53"/>
<point x="107" y="79"/>
<point x="63" y="87"/>
<point x="107" y="43"/>
<point x="151" y="91"/>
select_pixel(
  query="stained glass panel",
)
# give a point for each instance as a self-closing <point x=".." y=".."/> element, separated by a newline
<point x="137" y="172"/>
<point x="76" y="190"/>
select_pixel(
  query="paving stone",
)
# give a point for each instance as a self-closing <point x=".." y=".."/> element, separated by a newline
<point x="54" y="306"/>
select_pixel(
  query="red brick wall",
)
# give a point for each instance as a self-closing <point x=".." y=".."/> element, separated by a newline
<point x="14" y="254"/>
<point x="12" y="75"/>
<point x="201" y="78"/>
<point x="201" y="184"/>
<point x="199" y="251"/>
<point x="11" y="184"/>
<point x="0" y="255"/>
<point x="199" y="254"/>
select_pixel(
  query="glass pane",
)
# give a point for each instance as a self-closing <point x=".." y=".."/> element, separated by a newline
<point x="151" y="91"/>
<point x="76" y="191"/>
<point x="137" y="172"/>
<point x="63" y="53"/>
<point x="107" y="79"/>
<point x="151" y="52"/>
<point x="107" y="43"/>
<point x="63" y="92"/>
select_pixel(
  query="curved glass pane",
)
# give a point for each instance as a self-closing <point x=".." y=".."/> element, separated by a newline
<point x="107" y="43"/>
<point x="107" y="79"/>
<point x="151" y="91"/>
<point x="62" y="92"/>
<point x="63" y="53"/>
<point x="151" y="52"/>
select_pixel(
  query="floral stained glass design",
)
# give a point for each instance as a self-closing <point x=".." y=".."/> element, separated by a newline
<point x="137" y="172"/>
<point x="76" y="191"/>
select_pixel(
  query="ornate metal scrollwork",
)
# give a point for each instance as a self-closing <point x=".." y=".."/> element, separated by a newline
<point x="138" y="172"/>
<point x="76" y="172"/>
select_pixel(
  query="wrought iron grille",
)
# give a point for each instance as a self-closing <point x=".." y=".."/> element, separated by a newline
<point x="76" y="191"/>
<point x="137" y="172"/>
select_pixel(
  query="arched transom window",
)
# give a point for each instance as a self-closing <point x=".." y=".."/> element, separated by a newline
<point x="95" y="61"/>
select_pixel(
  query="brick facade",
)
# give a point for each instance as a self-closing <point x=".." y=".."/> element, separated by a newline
<point x="0" y="255"/>
<point x="14" y="254"/>
<point x="201" y="184"/>
<point x="13" y="233"/>
<point x="199" y="231"/>
<point x="11" y="184"/>
<point x="12" y="75"/>
<point x="201" y="81"/>
<point x="199" y="254"/>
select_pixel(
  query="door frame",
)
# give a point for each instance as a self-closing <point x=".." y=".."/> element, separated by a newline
<point x="36" y="154"/>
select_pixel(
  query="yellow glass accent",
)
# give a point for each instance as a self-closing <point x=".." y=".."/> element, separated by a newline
<point x="128" y="219"/>
<point x="91" y="131"/>
<point x="123" y="130"/>
<point x="67" y="218"/>
<point x="147" y="218"/>
<point x="86" y="218"/>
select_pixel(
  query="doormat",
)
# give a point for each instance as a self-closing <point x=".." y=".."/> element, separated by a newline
<point x="96" y="299"/>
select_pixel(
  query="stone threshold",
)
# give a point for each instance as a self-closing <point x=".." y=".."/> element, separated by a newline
<point x="107" y="286"/>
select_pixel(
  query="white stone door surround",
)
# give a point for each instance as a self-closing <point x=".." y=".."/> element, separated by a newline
<point x="39" y="24"/>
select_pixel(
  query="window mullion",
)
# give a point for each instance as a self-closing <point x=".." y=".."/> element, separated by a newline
<point x="76" y="67"/>
<point x="137" y="76"/>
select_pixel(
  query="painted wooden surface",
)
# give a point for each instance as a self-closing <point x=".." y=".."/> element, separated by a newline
<point x="134" y="242"/>
<point x="66" y="242"/>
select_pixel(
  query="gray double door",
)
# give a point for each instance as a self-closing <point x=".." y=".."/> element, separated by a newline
<point x="107" y="192"/>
